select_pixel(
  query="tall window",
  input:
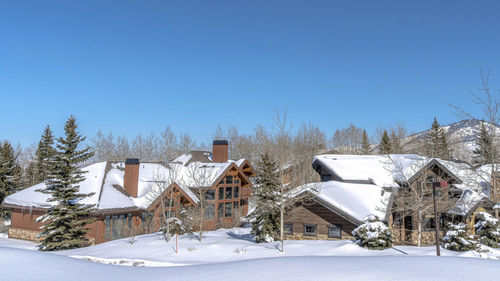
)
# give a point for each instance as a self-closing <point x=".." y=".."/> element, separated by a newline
<point x="228" y="209"/>
<point x="229" y="179"/>
<point x="236" y="191"/>
<point x="229" y="192"/>
<point x="108" y="228"/>
<point x="220" y="210"/>
<point x="221" y="193"/>
<point x="288" y="228"/>
<point x="209" y="211"/>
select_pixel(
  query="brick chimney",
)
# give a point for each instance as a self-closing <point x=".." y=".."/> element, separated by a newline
<point x="131" y="177"/>
<point x="220" y="152"/>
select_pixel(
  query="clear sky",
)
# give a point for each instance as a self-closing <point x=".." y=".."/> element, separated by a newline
<point x="136" y="66"/>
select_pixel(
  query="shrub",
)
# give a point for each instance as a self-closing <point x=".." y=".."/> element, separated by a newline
<point x="373" y="234"/>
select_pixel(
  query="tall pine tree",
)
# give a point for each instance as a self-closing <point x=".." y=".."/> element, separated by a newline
<point x="44" y="154"/>
<point x="266" y="215"/>
<point x="484" y="151"/>
<point x="68" y="216"/>
<point x="385" y="144"/>
<point x="436" y="143"/>
<point x="10" y="173"/>
<point x="365" y="143"/>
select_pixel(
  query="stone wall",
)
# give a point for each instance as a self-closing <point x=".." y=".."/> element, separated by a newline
<point x="31" y="235"/>
<point x="24" y="234"/>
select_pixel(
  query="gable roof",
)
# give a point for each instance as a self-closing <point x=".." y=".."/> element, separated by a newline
<point x="352" y="201"/>
<point x="105" y="181"/>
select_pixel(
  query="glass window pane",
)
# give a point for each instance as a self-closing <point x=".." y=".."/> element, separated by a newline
<point x="221" y="193"/>
<point x="335" y="231"/>
<point x="115" y="228"/>
<point x="107" y="234"/>
<point x="229" y="179"/>
<point x="220" y="210"/>
<point x="210" y="195"/>
<point x="236" y="191"/>
<point x="229" y="192"/>
<point x="228" y="209"/>
<point x="209" y="211"/>
<point x="310" y="229"/>
<point x="235" y="205"/>
<point x="288" y="228"/>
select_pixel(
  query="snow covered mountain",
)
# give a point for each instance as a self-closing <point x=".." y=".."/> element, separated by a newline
<point x="461" y="137"/>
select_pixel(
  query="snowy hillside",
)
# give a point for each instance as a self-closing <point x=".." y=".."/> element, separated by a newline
<point x="461" y="136"/>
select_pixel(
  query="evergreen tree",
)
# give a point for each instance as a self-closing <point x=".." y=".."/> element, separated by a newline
<point x="436" y="143"/>
<point x="385" y="144"/>
<point x="395" y="143"/>
<point x="44" y="154"/>
<point x="68" y="216"/>
<point x="266" y="216"/>
<point x="457" y="239"/>
<point x="488" y="230"/>
<point x="365" y="143"/>
<point x="373" y="234"/>
<point x="10" y="173"/>
<point x="484" y="150"/>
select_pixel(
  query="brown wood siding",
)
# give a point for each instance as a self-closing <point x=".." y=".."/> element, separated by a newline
<point x="315" y="213"/>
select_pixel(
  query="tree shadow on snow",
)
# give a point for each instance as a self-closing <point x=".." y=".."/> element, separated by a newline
<point x="247" y="237"/>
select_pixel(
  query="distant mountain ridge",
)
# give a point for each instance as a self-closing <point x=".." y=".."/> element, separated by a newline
<point x="461" y="136"/>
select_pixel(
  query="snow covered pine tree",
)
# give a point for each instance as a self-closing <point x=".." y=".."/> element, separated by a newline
<point x="457" y="239"/>
<point x="488" y="230"/>
<point x="373" y="234"/>
<point x="68" y="217"/>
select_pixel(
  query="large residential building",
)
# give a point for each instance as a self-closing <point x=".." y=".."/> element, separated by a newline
<point x="128" y="195"/>
<point x="353" y="186"/>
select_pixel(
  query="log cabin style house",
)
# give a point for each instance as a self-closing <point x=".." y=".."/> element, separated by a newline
<point x="353" y="186"/>
<point x="132" y="197"/>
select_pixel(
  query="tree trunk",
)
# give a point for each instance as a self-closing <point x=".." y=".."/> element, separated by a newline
<point x="201" y="218"/>
<point x="282" y="236"/>
<point x="419" y="227"/>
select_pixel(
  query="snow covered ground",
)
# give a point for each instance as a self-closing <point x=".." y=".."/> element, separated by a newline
<point x="232" y="253"/>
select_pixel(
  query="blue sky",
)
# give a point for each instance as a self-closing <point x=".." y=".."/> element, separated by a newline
<point x="137" y="66"/>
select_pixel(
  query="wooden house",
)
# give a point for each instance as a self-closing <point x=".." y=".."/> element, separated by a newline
<point x="132" y="197"/>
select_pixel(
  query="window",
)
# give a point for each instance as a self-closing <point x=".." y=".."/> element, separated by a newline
<point x="429" y="223"/>
<point x="229" y="192"/>
<point x="119" y="224"/>
<point x="210" y="195"/>
<point x="236" y="191"/>
<point x="243" y="202"/>
<point x="146" y="220"/>
<point x="108" y="228"/>
<point x="326" y="177"/>
<point x="236" y="181"/>
<point x="228" y="209"/>
<point x="222" y="181"/>
<point x="209" y="211"/>
<point x="169" y="202"/>
<point x="129" y="217"/>
<point x="288" y="228"/>
<point x="335" y="231"/>
<point x="310" y="229"/>
<point x="221" y="193"/>
<point x="229" y="179"/>
<point x="169" y="214"/>
<point x="220" y="210"/>
<point x="235" y="205"/>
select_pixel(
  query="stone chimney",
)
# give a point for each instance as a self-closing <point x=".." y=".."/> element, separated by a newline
<point x="131" y="177"/>
<point x="220" y="151"/>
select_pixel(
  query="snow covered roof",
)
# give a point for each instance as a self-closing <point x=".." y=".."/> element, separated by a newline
<point x="382" y="170"/>
<point x="105" y="181"/>
<point x="386" y="171"/>
<point x="353" y="199"/>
